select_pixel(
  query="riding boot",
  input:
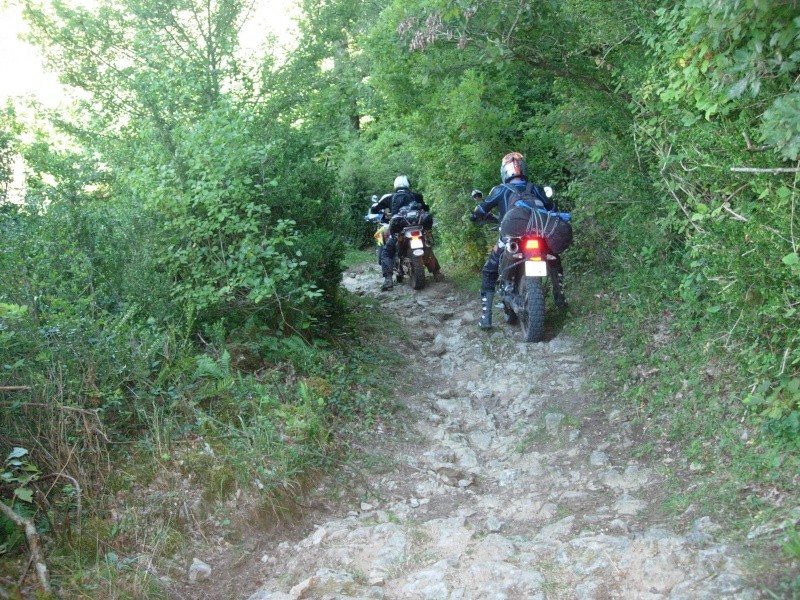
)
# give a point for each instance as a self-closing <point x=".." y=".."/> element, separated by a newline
<point x="387" y="283"/>
<point x="435" y="268"/>
<point x="486" y="310"/>
<point x="558" y="291"/>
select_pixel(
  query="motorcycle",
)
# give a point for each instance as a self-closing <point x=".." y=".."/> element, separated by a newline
<point x="414" y="243"/>
<point x="523" y="283"/>
<point x="414" y="246"/>
<point x="528" y="269"/>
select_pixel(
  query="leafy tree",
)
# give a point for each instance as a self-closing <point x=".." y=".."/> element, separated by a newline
<point x="191" y="150"/>
<point x="9" y="130"/>
<point x="719" y="57"/>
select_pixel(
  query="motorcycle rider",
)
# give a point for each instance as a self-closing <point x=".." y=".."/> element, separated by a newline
<point x="401" y="198"/>
<point x="513" y="174"/>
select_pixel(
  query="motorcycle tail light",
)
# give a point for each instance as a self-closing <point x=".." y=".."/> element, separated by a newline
<point x="532" y="244"/>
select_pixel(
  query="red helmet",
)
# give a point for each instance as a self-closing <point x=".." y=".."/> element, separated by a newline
<point x="513" y="165"/>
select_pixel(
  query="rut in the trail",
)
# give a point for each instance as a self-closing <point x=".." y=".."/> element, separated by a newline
<point x="505" y="489"/>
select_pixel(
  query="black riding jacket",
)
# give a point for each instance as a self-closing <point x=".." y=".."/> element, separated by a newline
<point x="500" y="194"/>
<point x="394" y="202"/>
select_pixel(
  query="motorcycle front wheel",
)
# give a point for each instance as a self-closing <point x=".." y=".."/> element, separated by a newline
<point x="532" y="317"/>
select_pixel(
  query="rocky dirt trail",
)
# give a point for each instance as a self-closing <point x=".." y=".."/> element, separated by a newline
<point x="511" y="481"/>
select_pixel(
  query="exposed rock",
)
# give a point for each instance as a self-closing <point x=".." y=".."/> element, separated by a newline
<point x="598" y="459"/>
<point x="552" y="422"/>
<point x="198" y="571"/>
<point x="495" y="493"/>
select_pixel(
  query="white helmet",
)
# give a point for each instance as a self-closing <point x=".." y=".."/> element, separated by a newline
<point x="401" y="181"/>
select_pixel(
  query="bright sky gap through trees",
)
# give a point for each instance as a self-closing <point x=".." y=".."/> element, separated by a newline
<point x="22" y="73"/>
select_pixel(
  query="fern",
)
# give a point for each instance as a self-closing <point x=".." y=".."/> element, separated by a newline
<point x="208" y="367"/>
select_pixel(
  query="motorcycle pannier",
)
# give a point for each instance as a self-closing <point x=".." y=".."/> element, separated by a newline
<point x="519" y="221"/>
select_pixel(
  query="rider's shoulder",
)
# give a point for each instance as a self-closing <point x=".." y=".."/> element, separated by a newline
<point x="496" y="190"/>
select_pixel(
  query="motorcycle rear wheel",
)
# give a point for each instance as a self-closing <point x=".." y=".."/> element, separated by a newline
<point x="417" y="273"/>
<point x="532" y="317"/>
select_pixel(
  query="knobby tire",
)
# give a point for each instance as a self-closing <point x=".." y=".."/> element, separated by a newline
<point x="532" y="321"/>
<point x="417" y="273"/>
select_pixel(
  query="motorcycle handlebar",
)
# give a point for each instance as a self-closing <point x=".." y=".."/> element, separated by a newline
<point x="487" y="220"/>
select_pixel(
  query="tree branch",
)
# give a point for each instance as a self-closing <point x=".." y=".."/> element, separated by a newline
<point x="565" y="73"/>
<point x="85" y="411"/>
<point x="771" y="171"/>
<point x="753" y="148"/>
<point x="33" y="544"/>
<point x="736" y="216"/>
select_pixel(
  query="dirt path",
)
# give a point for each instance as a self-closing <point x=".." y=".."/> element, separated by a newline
<point x="512" y="482"/>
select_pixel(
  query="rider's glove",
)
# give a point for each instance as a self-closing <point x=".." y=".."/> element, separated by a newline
<point x="473" y="217"/>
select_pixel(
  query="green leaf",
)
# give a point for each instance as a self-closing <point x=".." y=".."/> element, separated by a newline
<point x="24" y="494"/>
<point x="690" y="119"/>
<point x="754" y="400"/>
<point x="791" y="259"/>
<point x="16" y="452"/>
